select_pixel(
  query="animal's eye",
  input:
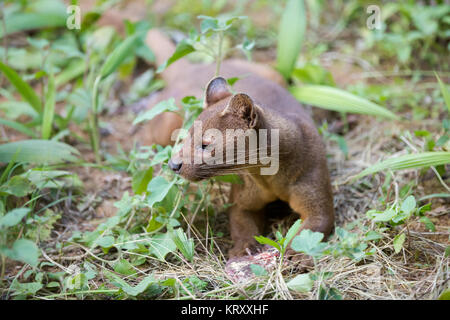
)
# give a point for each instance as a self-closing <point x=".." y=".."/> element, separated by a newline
<point x="204" y="146"/>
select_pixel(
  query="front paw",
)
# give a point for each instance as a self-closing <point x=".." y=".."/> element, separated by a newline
<point x="243" y="248"/>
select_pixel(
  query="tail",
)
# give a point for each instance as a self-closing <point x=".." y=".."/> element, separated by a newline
<point x="163" y="48"/>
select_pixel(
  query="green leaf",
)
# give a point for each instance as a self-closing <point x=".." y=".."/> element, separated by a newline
<point x="13" y="217"/>
<point x="29" y="288"/>
<point x="18" y="126"/>
<point x="120" y="53"/>
<point x="23" y="250"/>
<point x="105" y="242"/>
<point x="293" y="230"/>
<point x="339" y="100"/>
<point x="445" y="92"/>
<point x="408" y="161"/>
<point x="290" y="36"/>
<point x="185" y="245"/>
<point x="445" y="295"/>
<point x="158" y="188"/>
<point x="183" y="48"/>
<point x="309" y="242"/>
<point x="329" y="293"/>
<point x="130" y="290"/>
<point x="229" y="178"/>
<point x="163" y="106"/>
<point x="49" y="108"/>
<point x="37" y="151"/>
<point x="17" y="186"/>
<point x="161" y="244"/>
<point x="384" y="216"/>
<point x="301" y="283"/>
<point x="124" y="267"/>
<point x="428" y="223"/>
<point x="258" y="270"/>
<point x="39" y="14"/>
<point x="264" y="240"/>
<point x="22" y="87"/>
<point x="141" y="179"/>
<point x="372" y="235"/>
<point x="399" y="240"/>
<point x="408" y="205"/>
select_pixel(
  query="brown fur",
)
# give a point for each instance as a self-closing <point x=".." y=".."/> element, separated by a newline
<point x="302" y="181"/>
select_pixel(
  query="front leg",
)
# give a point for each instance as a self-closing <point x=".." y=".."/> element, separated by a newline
<point x="312" y="200"/>
<point x="247" y="216"/>
<point x="244" y="226"/>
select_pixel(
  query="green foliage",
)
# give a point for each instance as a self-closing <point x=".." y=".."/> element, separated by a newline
<point x="408" y="161"/>
<point x="339" y="100"/>
<point x="401" y="213"/>
<point x="31" y="151"/>
<point x="290" y="36"/>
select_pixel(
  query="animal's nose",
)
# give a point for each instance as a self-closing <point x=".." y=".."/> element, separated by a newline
<point x="174" y="166"/>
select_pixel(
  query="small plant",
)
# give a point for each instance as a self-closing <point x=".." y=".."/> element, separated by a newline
<point x="400" y="213"/>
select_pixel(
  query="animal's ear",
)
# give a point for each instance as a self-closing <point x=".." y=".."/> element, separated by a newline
<point x="242" y="106"/>
<point x="216" y="90"/>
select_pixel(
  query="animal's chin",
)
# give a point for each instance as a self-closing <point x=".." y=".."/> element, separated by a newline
<point x="192" y="177"/>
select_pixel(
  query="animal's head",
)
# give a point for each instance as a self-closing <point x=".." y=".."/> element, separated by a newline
<point x="222" y="138"/>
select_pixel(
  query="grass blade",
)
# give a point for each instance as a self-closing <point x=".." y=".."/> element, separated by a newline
<point x="120" y="53"/>
<point x="445" y="92"/>
<point x="408" y="161"/>
<point x="18" y="126"/>
<point x="49" y="108"/>
<point x="37" y="151"/>
<point x="290" y="36"/>
<point x="183" y="48"/>
<point x="22" y="87"/>
<point x="339" y="100"/>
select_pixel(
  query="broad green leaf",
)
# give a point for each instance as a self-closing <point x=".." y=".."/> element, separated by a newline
<point x="22" y="87"/>
<point x="408" y="205"/>
<point x="301" y="283"/>
<point x="29" y="288"/>
<point x="290" y="36"/>
<point x="183" y="48"/>
<point x="13" y="217"/>
<point x="105" y="242"/>
<point x="161" y="244"/>
<point x="383" y="216"/>
<point x="49" y="108"/>
<point x="163" y="106"/>
<point x="37" y="151"/>
<point x="124" y="267"/>
<point x="120" y="53"/>
<point x="141" y="180"/>
<point x="23" y="250"/>
<point x="339" y="100"/>
<point x="17" y="186"/>
<point x="309" y="242"/>
<point x="31" y="21"/>
<point x="158" y="188"/>
<point x="408" y="161"/>
<point x="398" y="242"/>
